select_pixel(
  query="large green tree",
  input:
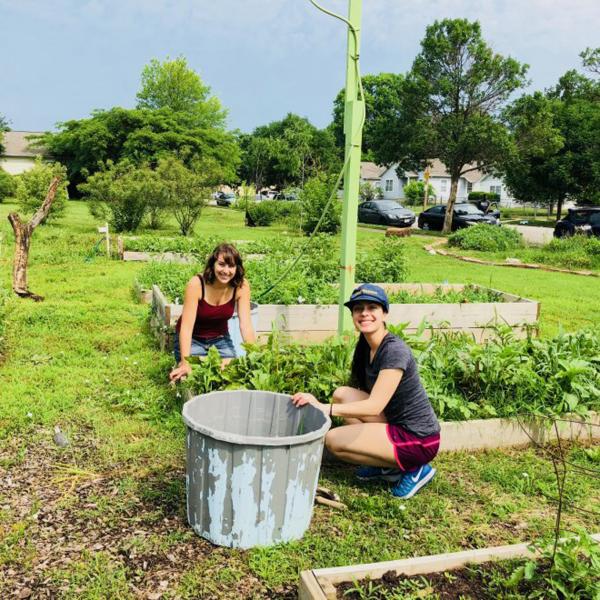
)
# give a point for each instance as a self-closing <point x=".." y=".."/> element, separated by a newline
<point x="287" y="152"/>
<point x="141" y="136"/>
<point x="383" y="102"/>
<point x="172" y="84"/>
<point x="450" y="106"/>
<point x="557" y="145"/>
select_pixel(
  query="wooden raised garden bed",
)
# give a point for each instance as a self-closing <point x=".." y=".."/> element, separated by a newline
<point x="320" y="584"/>
<point x="314" y="323"/>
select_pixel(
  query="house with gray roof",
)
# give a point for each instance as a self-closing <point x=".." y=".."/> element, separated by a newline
<point x="392" y="183"/>
<point x="19" y="155"/>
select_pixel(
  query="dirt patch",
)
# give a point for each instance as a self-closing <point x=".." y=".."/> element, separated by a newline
<point x="466" y="583"/>
<point x="58" y="510"/>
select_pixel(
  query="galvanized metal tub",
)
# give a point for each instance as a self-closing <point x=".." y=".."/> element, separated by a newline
<point x="253" y="463"/>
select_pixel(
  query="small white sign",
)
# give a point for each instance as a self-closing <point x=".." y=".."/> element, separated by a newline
<point x="103" y="229"/>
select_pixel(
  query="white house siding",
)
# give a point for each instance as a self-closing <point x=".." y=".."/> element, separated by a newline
<point x="15" y="165"/>
<point x="491" y="183"/>
<point x="391" y="184"/>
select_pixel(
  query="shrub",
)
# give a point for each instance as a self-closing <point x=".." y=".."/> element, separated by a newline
<point x="115" y="193"/>
<point x="489" y="238"/>
<point x="477" y="196"/>
<point x="368" y="191"/>
<point x="314" y="198"/>
<point x="267" y="212"/>
<point x="33" y="185"/>
<point x="575" y="252"/>
<point x="386" y="263"/>
<point x="8" y="185"/>
<point x="415" y="192"/>
<point x="188" y="190"/>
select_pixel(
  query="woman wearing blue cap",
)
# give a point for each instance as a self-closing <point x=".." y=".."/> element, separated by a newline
<point x="390" y="427"/>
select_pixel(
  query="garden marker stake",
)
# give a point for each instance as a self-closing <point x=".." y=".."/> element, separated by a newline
<point x="354" y="118"/>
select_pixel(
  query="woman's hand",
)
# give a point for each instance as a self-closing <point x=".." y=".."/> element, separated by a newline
<point x="183" y="369"/>
<point x="303" y="398"/>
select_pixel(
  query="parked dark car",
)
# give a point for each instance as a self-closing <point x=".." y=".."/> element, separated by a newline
<point x="225" y="198"/>
<point x="584" y="220"/>
<point x="464" y="215"/>
<point x="385" y="212"/>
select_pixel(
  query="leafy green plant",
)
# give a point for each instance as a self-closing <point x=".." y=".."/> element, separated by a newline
<point x="32" y="186"/>
<point x="314" y="198"/>
<point x="385" y="263"/>
<point x="463" y="379"/>
<point x="8" y="185"/>
<point x="575" y="252"/>
<point x="570" y="573"/>
<point x="415" y="192"/>
<point x="468" y="294"/>
<point x="486" y="237"/>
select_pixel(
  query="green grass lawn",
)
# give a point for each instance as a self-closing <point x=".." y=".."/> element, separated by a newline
<point x="105" y="517"/>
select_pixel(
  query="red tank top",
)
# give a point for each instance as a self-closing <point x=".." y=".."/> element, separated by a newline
<point x="211" y="321"/>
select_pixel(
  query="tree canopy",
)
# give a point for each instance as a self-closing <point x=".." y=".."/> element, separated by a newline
<point x="449" y="106"/>
<point x="172" y="84"/>
<point x="142" y="136"/>
<point x="383" y="102"/>
<point x="287" y="152"/>
<point x="557" y="148"/>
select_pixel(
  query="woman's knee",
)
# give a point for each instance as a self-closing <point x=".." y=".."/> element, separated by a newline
<point x="341" y="394"/>
<point x="333" y="441"/>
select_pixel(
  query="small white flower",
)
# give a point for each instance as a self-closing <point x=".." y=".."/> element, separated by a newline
<point x="525" y="475"/>
<point x="30" y="415"/>
<point x="402" y="507"/>
<point x="300" y="300"/>
<point x="178" y="395"/>
<point x="126" y="357"/>
<point x="135" y="362"/>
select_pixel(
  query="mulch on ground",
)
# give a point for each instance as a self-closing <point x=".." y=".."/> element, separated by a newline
<point x="69" y="512"/>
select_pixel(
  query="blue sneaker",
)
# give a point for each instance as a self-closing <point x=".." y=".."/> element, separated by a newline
<point x="413" y="481"/>
<point x="378" y="474"/>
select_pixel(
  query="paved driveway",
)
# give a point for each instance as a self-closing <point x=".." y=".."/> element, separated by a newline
<point x="534" y="235"/>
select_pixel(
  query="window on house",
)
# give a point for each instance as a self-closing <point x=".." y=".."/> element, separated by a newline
<point x="469" y="187"/>
<point x="444" y="185"/>
<point x="389" y="185"/>
<point x="495" y="189"/>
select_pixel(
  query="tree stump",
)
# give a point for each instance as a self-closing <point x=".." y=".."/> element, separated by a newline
<point x="397" y="232"/>
<point x="23" y="232"/>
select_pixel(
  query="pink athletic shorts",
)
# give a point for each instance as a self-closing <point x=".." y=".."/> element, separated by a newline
<point x="412" y="451"/>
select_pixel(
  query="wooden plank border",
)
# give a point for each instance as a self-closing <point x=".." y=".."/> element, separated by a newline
<point x="319" y="584"/>
<point x="314" y="322"/>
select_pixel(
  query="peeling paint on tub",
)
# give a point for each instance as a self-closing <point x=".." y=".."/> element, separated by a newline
<point x="297" y="501"/>
<point x="243" y="500"/>
<point x="265" y="527"/>
<point x="217" y="468"/>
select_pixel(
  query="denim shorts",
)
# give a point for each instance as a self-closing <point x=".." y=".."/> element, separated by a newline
<point x="222" y="343"/>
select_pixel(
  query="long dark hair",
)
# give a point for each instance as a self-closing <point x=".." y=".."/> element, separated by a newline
<point x="232" y="257"/>
<point x="358" y="376"/>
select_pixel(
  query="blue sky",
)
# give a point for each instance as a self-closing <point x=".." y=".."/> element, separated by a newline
<point x="262" y="58"/>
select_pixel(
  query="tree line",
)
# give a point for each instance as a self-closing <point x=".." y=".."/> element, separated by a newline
<point x="457" y="103"/>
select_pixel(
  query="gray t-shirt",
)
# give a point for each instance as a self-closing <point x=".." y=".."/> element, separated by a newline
<point x="409" y="406"/>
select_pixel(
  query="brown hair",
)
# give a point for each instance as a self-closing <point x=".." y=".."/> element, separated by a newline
<point x="232" y="257"/>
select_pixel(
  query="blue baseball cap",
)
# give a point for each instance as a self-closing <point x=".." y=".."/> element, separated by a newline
<point x="369" y="292"/>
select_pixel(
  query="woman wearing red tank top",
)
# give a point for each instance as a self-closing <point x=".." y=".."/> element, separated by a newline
<point x="209" y="302"/>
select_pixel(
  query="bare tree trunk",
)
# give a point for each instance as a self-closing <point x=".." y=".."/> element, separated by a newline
<point x="559" y="205"/>
<point x="23" y="232"/>
<point x="450" y="207"/>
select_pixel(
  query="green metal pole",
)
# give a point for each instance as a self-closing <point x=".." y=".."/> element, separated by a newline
<point x="353" y="117"/>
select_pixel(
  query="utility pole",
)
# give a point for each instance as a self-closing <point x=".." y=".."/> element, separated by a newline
<point x="353" y="121"/>
<point x="426" y="195"/>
